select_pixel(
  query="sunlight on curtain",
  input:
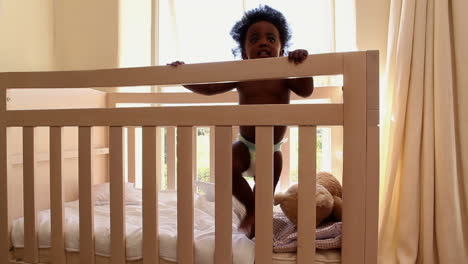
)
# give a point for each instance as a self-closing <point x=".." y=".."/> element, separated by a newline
<point x="424" y="158"/>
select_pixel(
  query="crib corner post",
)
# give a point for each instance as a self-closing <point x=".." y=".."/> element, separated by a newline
<point x="4" y="218"/>
<point x="361" y="159"/>
<point x="354" y="157"/>
<point x="372" y="152"/>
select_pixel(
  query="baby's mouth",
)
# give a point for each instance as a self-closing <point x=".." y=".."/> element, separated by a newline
<point x="264" y="54"/>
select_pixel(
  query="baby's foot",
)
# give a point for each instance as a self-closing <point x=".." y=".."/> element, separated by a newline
<point x="247" y="226"/>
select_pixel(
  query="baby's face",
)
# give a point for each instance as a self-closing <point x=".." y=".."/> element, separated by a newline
<point x="262" y="41"/>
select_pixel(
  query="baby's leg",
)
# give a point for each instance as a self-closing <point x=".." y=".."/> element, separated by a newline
<point x="240" y="187"/>
<point x="278" y="167"/>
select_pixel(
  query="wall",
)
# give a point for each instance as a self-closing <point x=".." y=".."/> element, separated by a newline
<point x="372" y="27"/>
<point x="56" y="35"/>
<point x="26" y="28"/>
<point x="86" y="34"/>
<point x="372" y="19"/>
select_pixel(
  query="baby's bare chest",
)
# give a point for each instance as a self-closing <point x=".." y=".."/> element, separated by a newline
<point x="263" y="92"/>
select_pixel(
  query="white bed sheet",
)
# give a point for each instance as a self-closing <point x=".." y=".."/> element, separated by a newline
<point x="243" y="248"/>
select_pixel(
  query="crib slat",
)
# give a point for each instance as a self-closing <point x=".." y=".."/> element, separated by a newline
<point x="212" y="153"/>
<point x="117" y="195"/>
<point x="159" y="158"/>
<point x="185" y="164"/>
<point x="264" y="194"/>
<point x="131" y="154"/>
<point x="56" y="195"/>
<point x="194" y="153"/>
<point x="171" y="157"/>
<point x="286" y="151"/>
<point x="223" y="194"/>
<point x="150" y="197"/>
<point x="4" y="216"/>
<point x="306" y="204"/>
<point x="29" y="193"/>
<point x="86" y="204"/>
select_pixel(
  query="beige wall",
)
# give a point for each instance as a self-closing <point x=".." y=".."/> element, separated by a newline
<point x="56" y="35"/>
<point x="26" y="30"/>
<point x="372" y="27"/>
<point x="47" y="34"/>
<point x="86" y="34"/>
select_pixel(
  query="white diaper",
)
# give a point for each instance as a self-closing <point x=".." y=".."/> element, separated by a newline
<point x="250" y="172"/>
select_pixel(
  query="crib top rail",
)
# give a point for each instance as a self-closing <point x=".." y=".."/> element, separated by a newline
<point x="321" y="92"/>
<point x="244" y="70"/>
<point x="265" y="115"/>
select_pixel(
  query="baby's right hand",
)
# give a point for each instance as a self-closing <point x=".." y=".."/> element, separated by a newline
<point x="176" y="63"/>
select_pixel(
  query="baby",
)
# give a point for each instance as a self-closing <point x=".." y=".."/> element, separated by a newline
<point x="261" y="33"/>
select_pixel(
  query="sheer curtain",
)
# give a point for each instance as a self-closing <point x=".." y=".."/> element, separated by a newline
<point x="425" y="144"/>
<point x="198" y="31"/>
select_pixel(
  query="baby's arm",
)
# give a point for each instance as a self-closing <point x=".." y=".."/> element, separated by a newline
<point x="211" y="88"/>
<point x="300" y="86"/>
<point x="207" y="88"/>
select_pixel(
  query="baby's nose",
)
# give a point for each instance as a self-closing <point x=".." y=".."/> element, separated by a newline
<point x="262" y="40"/>
<point x="263" y="44"/>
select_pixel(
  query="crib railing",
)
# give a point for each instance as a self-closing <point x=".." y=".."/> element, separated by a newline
<point x="358" y="115"/>
<point x="185" y="118"/>
<point x="330" y="94"/>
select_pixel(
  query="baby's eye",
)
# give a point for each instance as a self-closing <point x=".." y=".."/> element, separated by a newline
<point x="253" y="39"/>
<point x="271" y="39"/>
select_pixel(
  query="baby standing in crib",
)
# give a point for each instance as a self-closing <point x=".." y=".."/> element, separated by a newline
<point x="261" y="33"/>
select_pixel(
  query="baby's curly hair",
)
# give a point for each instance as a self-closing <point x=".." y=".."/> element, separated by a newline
<point x="262" y="13"/>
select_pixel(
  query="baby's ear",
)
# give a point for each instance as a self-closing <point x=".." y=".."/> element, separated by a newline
<point x="244" y="56"/>
<point x="281" y="52"/>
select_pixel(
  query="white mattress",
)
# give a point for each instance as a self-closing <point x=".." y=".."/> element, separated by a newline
<point x="330" y="256"/>
<point x="243" y="248"/>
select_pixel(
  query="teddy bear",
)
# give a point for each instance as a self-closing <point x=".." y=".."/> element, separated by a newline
<point x="328" y="199"/>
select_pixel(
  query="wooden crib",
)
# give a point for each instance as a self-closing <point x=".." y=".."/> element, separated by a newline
<point x="358" y="114"/>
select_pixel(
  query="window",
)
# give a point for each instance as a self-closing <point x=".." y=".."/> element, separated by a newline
<point x="198" y="31"/>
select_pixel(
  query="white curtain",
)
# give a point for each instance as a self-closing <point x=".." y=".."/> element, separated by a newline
<point x="425" y="139"/>
<point x="198" y="31"/>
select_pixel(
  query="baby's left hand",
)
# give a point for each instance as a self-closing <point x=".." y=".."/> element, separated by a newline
<point x="297" y="56"/>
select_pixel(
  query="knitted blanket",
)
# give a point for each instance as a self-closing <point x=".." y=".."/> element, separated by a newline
<point x="328" y="235"/>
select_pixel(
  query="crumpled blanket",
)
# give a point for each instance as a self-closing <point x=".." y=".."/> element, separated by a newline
<point x="328" y="235"/>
